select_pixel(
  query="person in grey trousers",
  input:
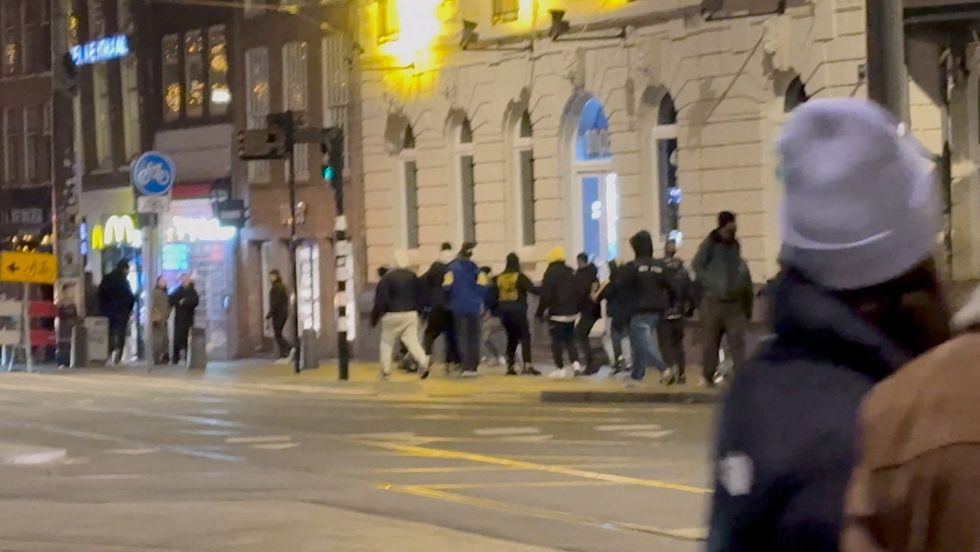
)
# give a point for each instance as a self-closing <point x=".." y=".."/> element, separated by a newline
<point x="160" y="309"/>
<point x="724" y="283"/>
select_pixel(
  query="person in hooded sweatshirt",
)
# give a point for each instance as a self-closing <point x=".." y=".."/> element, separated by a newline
<point x="560" y="302"/>
<point x="857" y="297"/>
<point x="439" y="319"/>
<point x="646" y="281"/>
<point x="396" y="307"/>
<point x="618" y="310"/>
<point x="466" y="288"/>
<point x="589" y="311"/>
<point x="670" y="330"/>
<point x="116" y="302"/>
<point x="508" y="296"/>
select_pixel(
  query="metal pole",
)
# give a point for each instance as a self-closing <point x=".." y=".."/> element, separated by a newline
<point x="291" y="164"/>
<point x="887" y="80"/>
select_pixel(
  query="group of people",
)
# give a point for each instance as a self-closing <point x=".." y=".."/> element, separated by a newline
<point x="116" y="301"/>
<point x="645" y="302"/>
<point x="855" y="427"/>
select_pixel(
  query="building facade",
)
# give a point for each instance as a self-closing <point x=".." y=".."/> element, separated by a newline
<point x="521" y="128"/>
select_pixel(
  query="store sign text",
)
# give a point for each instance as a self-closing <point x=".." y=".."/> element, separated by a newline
<point x="118" y="230"/>
<point x="101" y="50"/>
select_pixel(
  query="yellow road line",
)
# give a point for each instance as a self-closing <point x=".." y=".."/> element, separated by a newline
<point x="543" y="513"/>
<point x="427" y="452"/>
<point x="456" y="469"/>
<point x="512" y="484"/>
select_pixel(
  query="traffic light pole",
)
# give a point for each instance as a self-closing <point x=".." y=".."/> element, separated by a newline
<point x="291" y="165"/>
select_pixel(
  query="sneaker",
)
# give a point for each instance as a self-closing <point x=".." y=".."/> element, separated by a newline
<point x="284" y="361"/>
<point x="576" y="368"/>
<point x="560" y="373"/>
<point x="511" y="371"/>
<point x="468" y="374"/>
<point x="384" y="375"/>
<point x="705" y="383"/>
<point x="667" y="377"/>
<point x="424" y="369"/>
<point x="530" y="370"/>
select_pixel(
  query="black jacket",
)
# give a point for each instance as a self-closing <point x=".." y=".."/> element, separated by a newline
<point x="618" y="303"/>
<point x="398" y="291"/>
<point x="433" y="294"/>
<point x="786" y="440"/>
<point x="586" y="279"/>
<point x="278" y="303"/>
<point x="116" y="298"/>
<point x="682" y="302"/>
<point x="185" y="301"/>
<point x="559" y="293"/>
<point x="645" y="279"/>
<point x="509" y="289"/>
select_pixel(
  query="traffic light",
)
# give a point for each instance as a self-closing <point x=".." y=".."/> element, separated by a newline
<point x="332" y="164"/>
<point x="261" y="144"/>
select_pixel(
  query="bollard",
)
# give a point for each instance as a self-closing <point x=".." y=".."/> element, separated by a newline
<point x="309" y="359"/>
<point x="197" y="351"/>
<point x="79" y="346"/>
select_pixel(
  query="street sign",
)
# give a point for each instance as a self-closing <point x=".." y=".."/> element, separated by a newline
<point x="30" y="268"/>
<point x="153" y="174"/>
<point x="152" y="204"/>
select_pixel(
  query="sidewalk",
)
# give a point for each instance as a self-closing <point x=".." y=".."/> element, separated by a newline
<point x="490" y="386"/>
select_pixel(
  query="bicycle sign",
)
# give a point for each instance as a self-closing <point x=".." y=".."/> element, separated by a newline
<point x="153" y="173"/>
<point x="31" y="268"/>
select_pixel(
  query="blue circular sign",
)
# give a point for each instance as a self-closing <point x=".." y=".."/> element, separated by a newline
<point x="153" y="173"/>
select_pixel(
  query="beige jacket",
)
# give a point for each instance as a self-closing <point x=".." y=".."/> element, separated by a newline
<point x="917" y="485"/>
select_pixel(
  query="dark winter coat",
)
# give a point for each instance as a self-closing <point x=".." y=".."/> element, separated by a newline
<point x="466" y="287"/>
<point x="278" y="303"/>
<point x="586" y="281"/>
<point x="682" y="302"/>
<point x="185" y="301"/>
<point x="618" y="304"/>
<point x="509" y="289"/>
<point x="559" y="292"/>
<point x="398" y="291"/>
<point x="116" y="298"/>
<point x="721" y="274"/>
<point x="786" y="441"/>
<point x="434" y="296"/>
<point x="645" y="278"/>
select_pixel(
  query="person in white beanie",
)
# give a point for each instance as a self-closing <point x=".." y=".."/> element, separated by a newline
<point x="858" y="296"/>
<point x="397" y="302"/>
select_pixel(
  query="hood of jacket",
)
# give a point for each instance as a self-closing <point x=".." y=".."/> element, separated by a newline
<point x="808" y="318"/>
<point x="556" y="255"/>
<point x="401" y="258"/>
<point x="513" y="263"/>
<point x="642" y="244"/>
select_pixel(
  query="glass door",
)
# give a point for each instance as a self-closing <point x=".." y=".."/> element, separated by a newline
<point x="600" y="216"/>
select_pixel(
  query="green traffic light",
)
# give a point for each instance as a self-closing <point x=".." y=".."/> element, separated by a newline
<point x="327" y="172"/>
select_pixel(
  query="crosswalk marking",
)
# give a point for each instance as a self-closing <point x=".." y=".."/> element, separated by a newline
<point x="500" y="431"/>
<point x="651" y="434"/>
<point x="628" y="427"/>
<point x="258" y="439"/>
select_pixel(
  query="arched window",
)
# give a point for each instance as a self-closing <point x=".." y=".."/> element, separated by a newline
<point x="595" y="184"/>
<point x="465" y="178"/>
<point x="795" y="95"/>
<point x="592" y="140"/>
<point x="410" y="181"/>
<point x="664" y="142"/>
<point x="524" y="163"/>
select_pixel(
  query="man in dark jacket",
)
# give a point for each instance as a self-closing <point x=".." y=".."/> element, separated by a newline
<point x="396" y="307"/>
<point x="279" y="312"/>
<point x="439" y="319"/>
<point x="645" y="280"/>
<point x="670" y="330"/>
<point x="560" y="300"/>
<point x="857" y="297"/>
<point x="725" y="288"/>
<point x="116" y="302"/>
<point x="587" y="282"/>
<point x="618" y="311"/>
<point x="185" y="301"/>
<point x="466" y="288"/>
<point x="508" y="298"/>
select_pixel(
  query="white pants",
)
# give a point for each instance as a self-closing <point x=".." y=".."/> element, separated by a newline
<point x="402" y="326"/>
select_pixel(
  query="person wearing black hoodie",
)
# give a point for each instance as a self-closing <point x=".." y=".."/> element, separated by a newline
<point x="439" y="319"/>
<point x="560" y="301"/>
<point x="618" y="311"/>
<point x="645" y="280"/>
<point x="670" y="330"/>
<point x="396" y="306"/>
<point x="184" y="300"/>
<point x="586" y="282"/>
<point x="508" y="298"/>
<point x="116" y="302"/>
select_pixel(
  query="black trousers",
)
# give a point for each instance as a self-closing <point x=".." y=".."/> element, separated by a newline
<point x="440" y="322"/>
<point x="518" y="333"/>
<point x="278" y="326"/>
<point x="562" y="340"/>
<point x="582" y="330"/>
<point x="670" y="335"/>
<point x="468" y="339"/>
<point x="182" y="333"/>
<point x="117" y="339"/>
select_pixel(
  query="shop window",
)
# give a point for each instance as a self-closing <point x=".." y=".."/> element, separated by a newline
<point x="257" y="102"/>
<point x="505" y="11"/>
<point x="387" y="21"/>
<point x="308" y="290"/>
<point x="219" y="93"/>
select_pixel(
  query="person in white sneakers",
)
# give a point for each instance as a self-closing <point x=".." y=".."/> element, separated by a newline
<point x="396" y="307"/>
<point x="560" y="300"/>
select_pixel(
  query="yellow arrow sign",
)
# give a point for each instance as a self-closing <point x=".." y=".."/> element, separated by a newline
<point x="31" y="268"/>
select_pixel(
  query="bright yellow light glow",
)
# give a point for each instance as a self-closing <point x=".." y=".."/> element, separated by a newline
<point x="418" y="28"/>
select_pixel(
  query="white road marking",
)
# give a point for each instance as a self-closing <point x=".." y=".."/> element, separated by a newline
<point x="28" y="455"/>
<point x="528" y="439"/>
<point x="209" y="432"/>
<point x="651" y="434"/>
<point x="390" y="436"/>
<point x="260" y="439"/>
<point x="633" y="427"/>
<point x="275" y="446"/>
<point x="133" y="451"/>
<point x="499" y="431"/>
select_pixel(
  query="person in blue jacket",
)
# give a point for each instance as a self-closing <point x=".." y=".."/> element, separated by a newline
<point x="857" y="297"/>
<point x="466" y="286"/>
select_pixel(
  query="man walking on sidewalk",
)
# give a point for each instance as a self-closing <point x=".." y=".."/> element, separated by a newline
<point x="508" y="295"/>
<point x="116" y="302"/>
<point x="466" y="287"/>
<point x="586" y="282"/>
<point x="645" y="278"/>
<point x="670" y="330"/>
<point x="560" y="301"/>
<point x="396" y="307"/>
<point x="279" y="313"/>
<point x="725" y="287"/>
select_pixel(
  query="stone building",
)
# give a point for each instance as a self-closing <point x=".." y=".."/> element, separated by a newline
<point x="523" y="128"/>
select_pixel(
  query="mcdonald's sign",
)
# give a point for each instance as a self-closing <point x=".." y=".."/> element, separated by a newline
<point x="117" y="230"/>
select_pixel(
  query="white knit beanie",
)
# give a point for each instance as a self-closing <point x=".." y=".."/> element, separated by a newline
<point x="860" y="206"/>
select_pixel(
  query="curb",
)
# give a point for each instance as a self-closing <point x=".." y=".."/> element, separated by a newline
<point x="628" y="397"/>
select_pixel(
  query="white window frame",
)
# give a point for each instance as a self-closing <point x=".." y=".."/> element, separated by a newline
<point x="522" y="145"/>
<point x="404" y="158"/>
<point x="658" y="132"/>
<point x="460" y="150"/>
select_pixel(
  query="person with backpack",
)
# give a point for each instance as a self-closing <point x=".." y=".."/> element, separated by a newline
<point x="508" y="296"/>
